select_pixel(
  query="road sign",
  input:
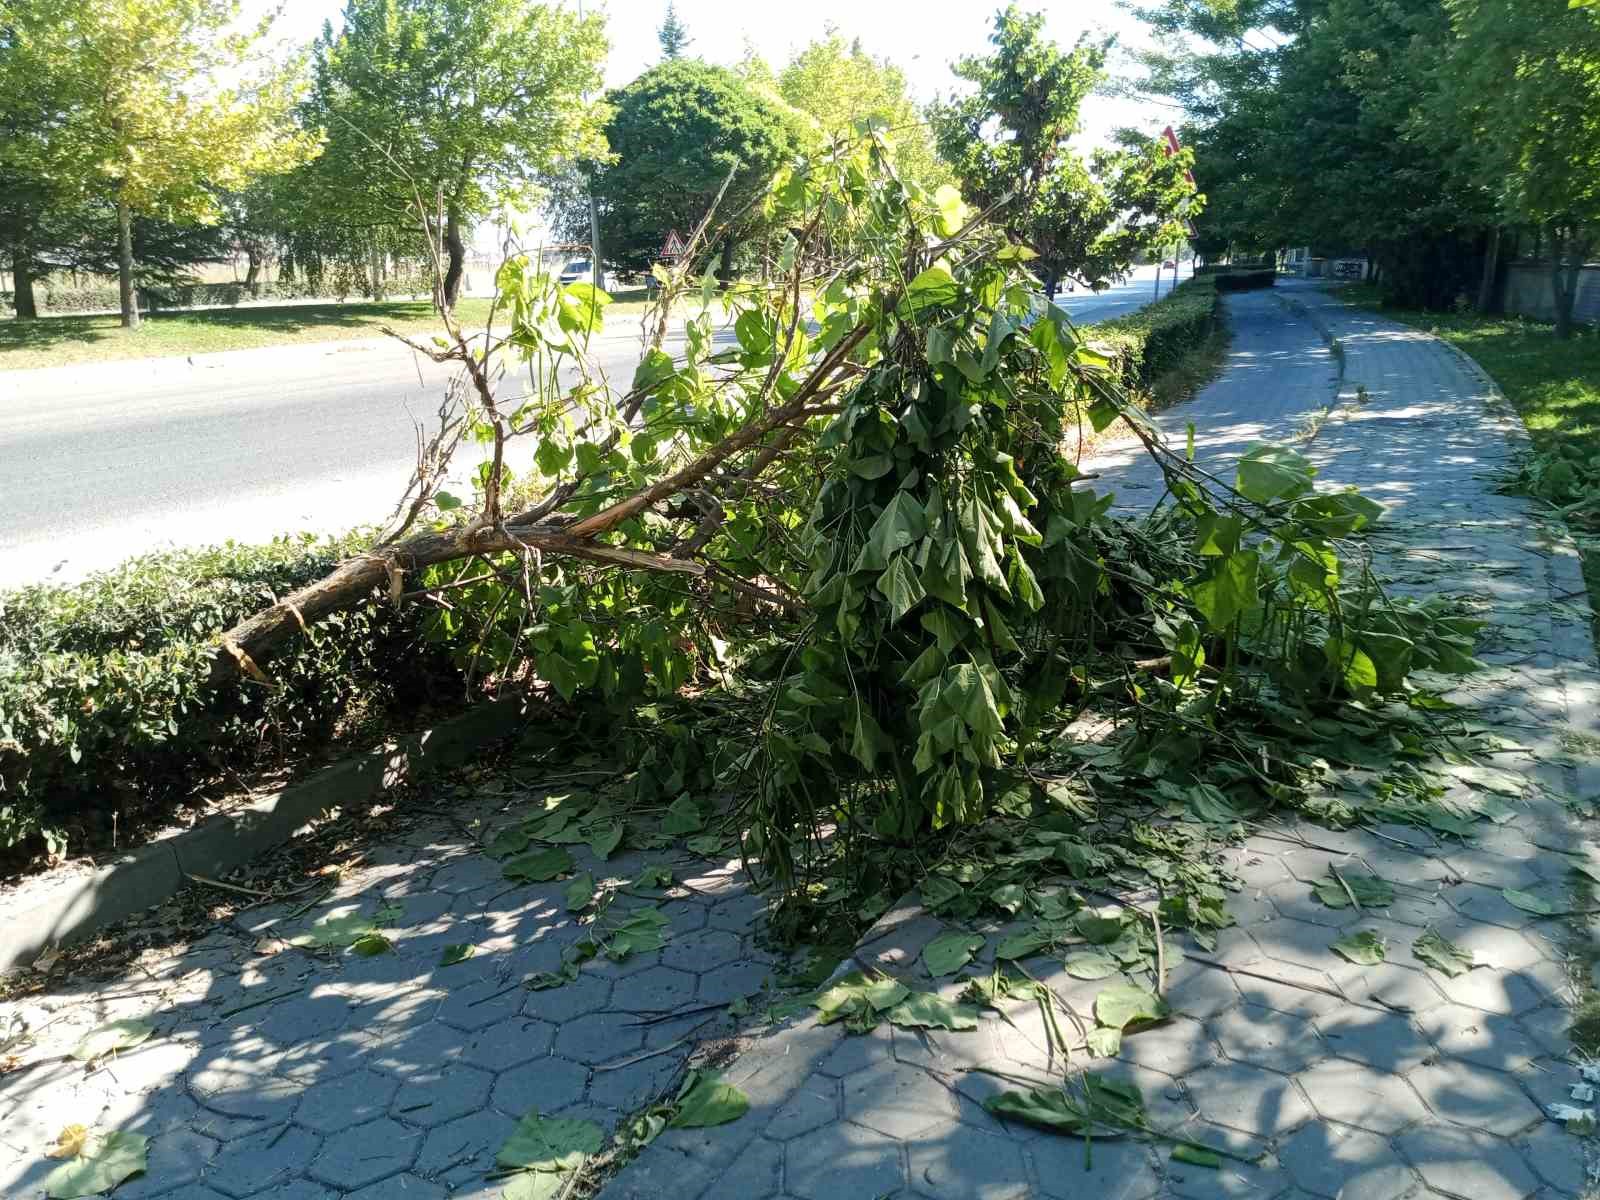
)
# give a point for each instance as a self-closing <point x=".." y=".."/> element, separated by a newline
<point x="1172" y="148"/>
<point x="674" y="246"/>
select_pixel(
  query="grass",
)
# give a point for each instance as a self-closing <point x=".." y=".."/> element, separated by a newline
<point x="60" y="341"/>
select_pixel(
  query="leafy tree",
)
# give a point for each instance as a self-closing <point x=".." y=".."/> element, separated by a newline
<point x="130" y="111"/>
<point x="1522" y="81"/>
<point x="453" y="105"/>
<point x="672" y="35"/>
<point x="838" y="85"/>
<point x="1007" y="145"/>
<point x="678" y="133"/>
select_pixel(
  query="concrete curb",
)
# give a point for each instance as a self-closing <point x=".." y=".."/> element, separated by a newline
<point x="35" y="918"/>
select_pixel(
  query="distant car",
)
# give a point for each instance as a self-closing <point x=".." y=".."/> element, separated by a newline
<point x="577" y="270"/>
<point x="1169" y="265"/>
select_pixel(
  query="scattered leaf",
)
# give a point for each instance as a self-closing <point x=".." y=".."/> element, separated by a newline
<point x="683" y="816"/>
<point x="1197" y="1156"/>
<point x="1365" y="948"/>
<point x="1104" y="1042"/>
<point x="541" y="1143"/>
<point x="640" y="933"/>
<point x="1122" y="1004"/>
<point x="926" y="1010"/>
<point x="370" y="945"/>
<point x="336" y="931"/>
<point x="656" y="876"/>
<point x="457" y="953"/>
<point x="1010" y="898"/>
<point x="856" y="996"/>
<point x="706" y="1101"/>
<point x="1369" y="891"/>
<point x="579" y="892"/>
<point x="604" y="839"/>
<point x="1529" y="903"/>
<point x="111" y="1038"/>
<point x="106" y="1163"/>
<point x="950" y="951"/>
<point x="539" y="866"/>
<point x="69" y="1143"/>
<point x="1443" y="956"/>
<point x="1091" y="964"/>
<point x="1022" y="944"/>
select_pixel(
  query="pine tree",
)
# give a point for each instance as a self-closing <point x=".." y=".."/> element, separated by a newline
<point x="673" y="35"/>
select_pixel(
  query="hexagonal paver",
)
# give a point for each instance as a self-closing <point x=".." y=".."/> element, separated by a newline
<point x="433" y="1100"/>
<point x="1475" y="1097"/>
<point x="1200" y="991"/>
<point x="811" y="1107"/>
<point x="896" y="1100"/>
<point x="1115" y="1170"/>
<point x="953" y="1161"/>
<point x="656" y="989"/>
<point x="547" y="1084"/>
<point x="843" y="1160"/>
<point x="1247" y="1098"/>
<point x="401" y="1187"/>
<point x="1264" y="1038"/>
<point x="241" y="1088"/>
<point x="637" y="1084"/>
<point x="586" y="994"/>
<point x="1330" y="1160"/>
<point x="1280" y="989"/>
<point x="1556" y="1157"/>
<point x="1460" y="1162"/>
<point x="336" y="1104"/>
<point x="509" y="1044"/>
<point x="479" y="1005"/>
<point x="1174" y="1047"/>
<point x="172" y="1158"/>
<point x="725" y="984"/>
<point x="364" y="1154"/>
<point x="599" y="1037"/>
<point x="250" y="1164"/>
<point x="1357" y="1095"/>
<point x="1383" y="1041"/>
<point x="1481" y="1038"/>
<point x="1388" y="985"/>
<point x="702" y="950"/>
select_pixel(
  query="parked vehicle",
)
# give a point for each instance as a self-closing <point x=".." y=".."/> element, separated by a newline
<point x="576" y="271"/>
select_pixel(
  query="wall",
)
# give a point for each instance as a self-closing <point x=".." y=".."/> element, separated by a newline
<point x="1528" y="293"/>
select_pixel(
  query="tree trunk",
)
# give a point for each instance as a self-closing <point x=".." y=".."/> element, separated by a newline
<point x="1561" y="292"/>
<point x="252" y="276"/>
<point x="456" y="251"/>
<point x="725" y="267"/>
<point x="375" y="264"/>
<point x="1491" y="272"/>
<point x="22" y="280"/>
<point x="130" y="298"/>
<point x="1052" y="281"/>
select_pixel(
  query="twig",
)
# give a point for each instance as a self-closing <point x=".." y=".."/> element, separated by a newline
<point x="228" y="887"/>
<point x="1346" y="887"/>
<point x="638" y="1058"/>
<point x="236" y="1009"/>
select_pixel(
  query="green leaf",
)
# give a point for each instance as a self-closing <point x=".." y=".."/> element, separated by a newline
<point x="707" y="1101"/>
<point x="901" y="587"/>
<point x="1121" y="1004"/>
<point x="1227" y="590"/>
<point x="857" y="996"/>
<point x="639" y="934"/>
<point x="932" y="287"/>
<point x="1104" y="1042"/>
<point x="115" y="1157"/>
<point x="111" y="1038"/>
<point x="1365" y="949"/>
<point x="1196" y="1156"/>
<point x="579" y="892"/>
<point x="457" y="953"/>
<point x="539" y="866"/>
<point x="1369" y="890"/>
<point x="1044" y="1108"/>
<point x="1268" y="473"/>
<point x="1010" y="897"/>
<point x="1443" y="956"/>
<point x="1091" y="964"/>
<point x="535" y="1185"/>
<point x="1529" y="903"/>
<point x="604" y="839"/>
<point x="371" y="945"/>
<point x="1023" y="943"/>
<point x="683" y="817"/>
<point x="926" y="1010"/>
<point x="541" y="1143"/>
<point x="950" y="951"/>
<point x="343" y="927"/>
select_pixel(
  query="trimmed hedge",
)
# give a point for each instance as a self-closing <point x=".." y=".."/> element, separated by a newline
<point x="1157" y="338"/>
<point x="62" y="300"/>
<point x="104" y="711"/>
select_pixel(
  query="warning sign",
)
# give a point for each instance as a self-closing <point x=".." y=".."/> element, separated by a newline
<point x="673" y="247"/>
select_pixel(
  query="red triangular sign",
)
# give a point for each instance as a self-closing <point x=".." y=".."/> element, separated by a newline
<point x="674" y="246"/>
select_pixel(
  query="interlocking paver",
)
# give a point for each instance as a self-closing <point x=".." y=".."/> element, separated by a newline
<point x="364" y="1154"/>
<point x="1251" y="1034"/>
<point x="1474" y="1097"/>
<point x="1329" y="1160"/>
<point x="1459" y="1162"/>
<point x="843" y="1159"/>
<point x="1119" y="1170"/>
<point x="1248" y="1098"/>
<point x="348" y="1100"/>
<point x="1357" y="1095"/>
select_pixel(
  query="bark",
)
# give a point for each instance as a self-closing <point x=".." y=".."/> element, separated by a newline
<point x="22" y="280"/>
<point x="725" y="267"/>
<point x="456" y="251"/>
<point x="252" y="276"/>
<point x="130" y="298"/>
<point x="1052" y="281"/>
<point x="1491" y="272"/>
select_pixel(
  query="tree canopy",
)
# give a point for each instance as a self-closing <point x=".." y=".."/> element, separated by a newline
<point x="459" y="105"/>
<point x="677" y="134"/>
<point x="673" y="35"/>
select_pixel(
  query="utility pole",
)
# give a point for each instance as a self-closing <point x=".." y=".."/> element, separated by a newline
<point x="594" y="217"/>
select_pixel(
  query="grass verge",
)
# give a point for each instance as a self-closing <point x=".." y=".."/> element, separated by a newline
<point x="63" y="341"/>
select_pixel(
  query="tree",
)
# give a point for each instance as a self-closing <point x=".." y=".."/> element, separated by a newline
<point x="1007" y="145"/>
<point x="838" y="86"/>
<point x="679" y="133"/>
<point x="454" y="105"/>
<point x="672" y="35"/>
<point x="132" y="110"/>
<point x="1522" y="80"/>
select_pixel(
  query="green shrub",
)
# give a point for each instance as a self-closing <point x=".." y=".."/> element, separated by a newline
<point x="1157" y="338"/>
<point x="104" y="708"/>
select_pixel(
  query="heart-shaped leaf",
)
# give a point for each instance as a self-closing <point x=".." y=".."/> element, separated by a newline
<point x="579" y="892"/>
<point x="1091" y="964"/>
<point x="950" y="951"/>
<point x="539" y="866"/>
<point x="706" y="1101"/>
<point x="1368" y="890"/>
<point x="1529" y="903"/>
<point x="926" y="1010"/>
<point x="111" y="1038"/>
<point x="541" y="1143"/>
<point x="1122" y="1004"/>
<point x="110" y="1160"/>
<point x="1365" y="948"/>
<point x="1443" y="956"/>
<point x="458" y="953"/>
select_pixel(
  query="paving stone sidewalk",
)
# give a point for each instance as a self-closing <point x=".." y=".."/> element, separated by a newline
<point x="281" y="1074"/>
<point x="1361" y="1083"/>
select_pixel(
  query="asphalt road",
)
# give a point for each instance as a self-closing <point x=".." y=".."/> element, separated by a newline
<point x="1087" y="307"/>
<point x="101" y="462"/>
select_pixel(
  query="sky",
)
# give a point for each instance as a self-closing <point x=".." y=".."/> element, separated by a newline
<point x="922" y="38"/>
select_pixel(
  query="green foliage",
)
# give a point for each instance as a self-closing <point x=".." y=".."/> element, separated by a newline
<point x="676" y="133"/>
<point x="104" y="706"/>
<point x="1156" y="339"/>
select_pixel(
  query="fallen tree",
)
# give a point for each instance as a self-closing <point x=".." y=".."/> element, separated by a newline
<point x="869" y="481"/>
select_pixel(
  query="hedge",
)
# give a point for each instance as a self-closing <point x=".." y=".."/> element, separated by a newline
<point x="1156" y="339"/>
<point x="63" y="300"/>
<point x="104" y="708"/>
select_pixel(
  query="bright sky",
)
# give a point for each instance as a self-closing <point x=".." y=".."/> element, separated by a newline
<point x="922" y="37"/>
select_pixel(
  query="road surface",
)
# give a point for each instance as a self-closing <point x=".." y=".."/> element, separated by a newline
<point x="1087" y="307"/>
<point x="101" y="462"/>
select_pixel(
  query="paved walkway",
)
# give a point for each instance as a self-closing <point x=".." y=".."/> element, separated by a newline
<point x="284" y="1074"/>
